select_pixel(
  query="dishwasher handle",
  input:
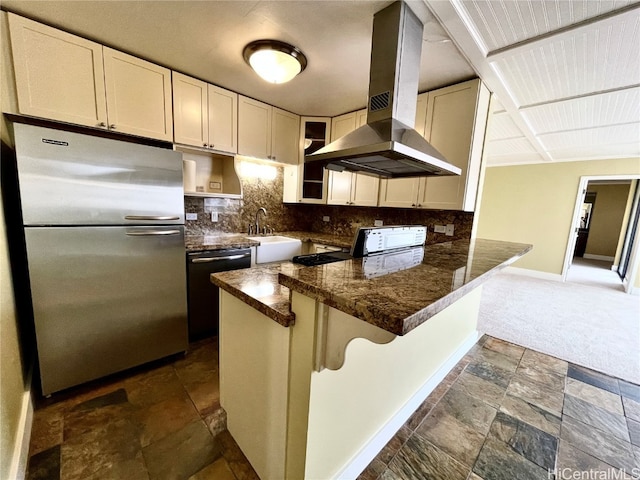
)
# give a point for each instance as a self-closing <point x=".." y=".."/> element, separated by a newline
<point x="217" y="259"/>
<point x="151" y="217"/>
<point x="151" y="233"/>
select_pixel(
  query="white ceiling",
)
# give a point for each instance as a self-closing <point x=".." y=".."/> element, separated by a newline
<point x="566" y="73"/>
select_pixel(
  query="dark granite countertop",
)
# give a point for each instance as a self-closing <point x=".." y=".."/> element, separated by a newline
<point x="323" y="238"/>
<point x="259" y="287"/>
<point x="397" y="302"/>
<point x="197" y="243"/>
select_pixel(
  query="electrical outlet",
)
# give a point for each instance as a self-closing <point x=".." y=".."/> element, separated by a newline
<point x="325" y="218"/>
<point x="377" y="223"/>
<point x="449" y="230"/>
<point x="214" y="217"/>
<point x="192" y="216"/>
<point x="439" y="228"/>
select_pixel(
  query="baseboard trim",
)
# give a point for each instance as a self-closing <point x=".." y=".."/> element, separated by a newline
<point x="534" y="273"/>
<point x="386" y="433"/>
<point x="591" y="256"/>
<point x="20" y="457"/>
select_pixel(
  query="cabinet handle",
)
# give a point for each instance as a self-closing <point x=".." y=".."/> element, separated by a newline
<point x="413" y="204"/>
<point x="211" y="145"/>
<point x="419" y="205"/>
<point x="204" y="144"/>
<point x="102" y="124"/>
<point x="113" y="126"/>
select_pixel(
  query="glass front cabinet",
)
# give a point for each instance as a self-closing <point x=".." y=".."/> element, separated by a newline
<point x="307" y="183"/>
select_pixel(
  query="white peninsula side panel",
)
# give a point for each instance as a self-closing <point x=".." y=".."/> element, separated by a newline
<point x="354" y="411"/>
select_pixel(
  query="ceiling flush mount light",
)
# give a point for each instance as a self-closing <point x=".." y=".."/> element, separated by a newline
<point x="274" y="61"/>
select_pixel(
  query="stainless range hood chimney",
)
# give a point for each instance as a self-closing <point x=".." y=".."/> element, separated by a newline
<point x="387" y="145"/>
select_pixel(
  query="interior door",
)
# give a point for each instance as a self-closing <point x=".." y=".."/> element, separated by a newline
<point x="586" y="213"/>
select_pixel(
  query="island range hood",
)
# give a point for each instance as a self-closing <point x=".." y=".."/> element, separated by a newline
<point x="388" y="146"/>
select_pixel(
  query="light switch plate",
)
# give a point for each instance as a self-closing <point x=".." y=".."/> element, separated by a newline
<point x="214" y="217"/>
<point x="439" y="228"/>
<point x="192" y="216"/>
<point x="325" y="218"/>
<point x="377" y="223"/>
<point x="449" y="230"/>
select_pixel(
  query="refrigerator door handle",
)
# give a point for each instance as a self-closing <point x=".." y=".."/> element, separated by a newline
<point x="217" y="259"/>
<point x="147" y="233"/>
<point x="151" y="217"/>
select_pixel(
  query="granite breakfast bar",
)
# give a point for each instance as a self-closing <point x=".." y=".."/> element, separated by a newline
<point x="319" y="366"/>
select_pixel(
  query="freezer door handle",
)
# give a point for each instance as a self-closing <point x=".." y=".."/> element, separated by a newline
<point x="148" y="233"/>
<point x="217" y="259"/>
<point x="151" y="217"/>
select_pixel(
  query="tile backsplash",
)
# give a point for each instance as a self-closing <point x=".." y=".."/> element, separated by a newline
<point x="235" y="215"/>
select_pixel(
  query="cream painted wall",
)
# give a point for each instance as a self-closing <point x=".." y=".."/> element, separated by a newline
<point x="12" y="382"/>
<point x="606" y="220"/>
<point x="534" y="204"/>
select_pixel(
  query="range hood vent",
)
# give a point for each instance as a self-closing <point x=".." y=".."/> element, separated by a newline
<point x="388" y="146"/>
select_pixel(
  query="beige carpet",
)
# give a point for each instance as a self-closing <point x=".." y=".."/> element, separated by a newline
<point x="593" y="326"/>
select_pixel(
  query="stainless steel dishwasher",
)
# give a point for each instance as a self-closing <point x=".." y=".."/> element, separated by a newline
<point x="204" y="298"/>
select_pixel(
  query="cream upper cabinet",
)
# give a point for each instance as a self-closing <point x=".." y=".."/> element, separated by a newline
<point x="342" y="125"/>
<point x="223" y="119"/>
<point x="421" y="113"/>
<point x="400" y="192"/>
<point x="267" y="132"/>
<point x="455" y="124"/>
<point x="361" y="117"/>
<point x="63" y="77"/>
<point x="307" y="182"/>
<point x="364" y="190"/>
<point x="190" y="106"/>
<point x="204" y="115"/>
<point x="347" y="188"/>
<point x="339" y="188"/>
<point x="58" y="75"/>
<point x="138" y="96"/>
<point x="254" y="128"/>
<point x="285" y="137"/>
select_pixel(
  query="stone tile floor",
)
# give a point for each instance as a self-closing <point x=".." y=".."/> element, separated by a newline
<point x="160" y="421"/>
<point x="503" y="413"/>
<point x="509" y="413"/>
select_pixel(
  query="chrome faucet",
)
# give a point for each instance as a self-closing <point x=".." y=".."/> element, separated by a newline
<point x="257" y="224"/>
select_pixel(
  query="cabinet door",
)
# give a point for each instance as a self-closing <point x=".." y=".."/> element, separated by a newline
<point x="58" y="75"/>
<point x="290" y="184"/>
<point x="254" y="128"/>
<point x="399" y="192"/>
<point x="421" y="113"/>
<point x="190" y="118"/>
<point x="313" y="179"/>
<point x="138" y="96"/>
<point x="342" y="125"/>
<point x="339" y="188"/>
<point x="451" y="126"/>
<point x="223" y="119"/>
<point x="361" y="118"/>
<point x="364" y="190"/>
<point x="285" y="137"/>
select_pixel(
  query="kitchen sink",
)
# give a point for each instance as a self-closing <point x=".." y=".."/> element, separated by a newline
<point x="275" y="248"/>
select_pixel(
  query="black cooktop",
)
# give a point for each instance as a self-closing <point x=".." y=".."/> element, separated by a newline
<point x="313" y="259"/>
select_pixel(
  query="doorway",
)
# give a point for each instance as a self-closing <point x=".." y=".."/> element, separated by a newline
<point x="602" y="249"/>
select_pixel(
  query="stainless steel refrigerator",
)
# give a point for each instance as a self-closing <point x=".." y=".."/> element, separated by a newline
<point x="104" y="233"/>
